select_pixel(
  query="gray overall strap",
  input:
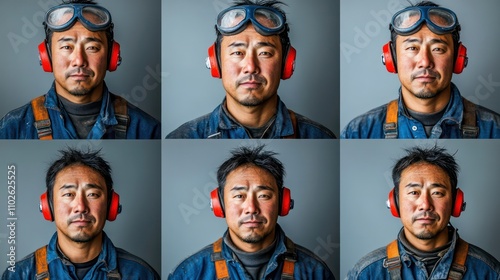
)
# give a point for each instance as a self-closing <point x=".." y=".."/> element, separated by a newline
<point x="469" y="126"/>
<point x="121" y="115"/>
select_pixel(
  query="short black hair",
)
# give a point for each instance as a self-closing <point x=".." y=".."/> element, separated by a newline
<point x="435" y="155"/>
<point x="251" y="156"/>
<point x="284" y="38"/>
<point x="71" y="157"/>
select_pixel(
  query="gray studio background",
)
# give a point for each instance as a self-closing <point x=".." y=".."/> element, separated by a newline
<point x="189" y="91"/>
<point x="137" y="30"/>
<point x="136" y="175"/>
<point x="367" y="224"/>
<point x="189" y="174"/>
<point x="366" y="84"/>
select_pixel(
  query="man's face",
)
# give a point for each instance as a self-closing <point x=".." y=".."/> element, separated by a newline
<point x="79" y="63"/>
<point x="424" y="63"/>
<point x="251" y="207"/>
<point x="251" y="67"/>
<point x="80" y="204"/>
<point x="425" y="203"/>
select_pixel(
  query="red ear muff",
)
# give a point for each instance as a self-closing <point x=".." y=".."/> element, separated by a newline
<point x="392" y="205"/>
<point x="114" y="206"/>
<point x="215" y="203"/>
<point x="387" y="59"/>
<point x="44" y="57"/>
<point x="286" y="202"/>
<point x="114" y="58"/>
<point x="459" y="205"/>
<point x="45" y="207"/>
<point x="289" y="65"/>
<point x="212" y="62"/>
<point x="461" y="60"/>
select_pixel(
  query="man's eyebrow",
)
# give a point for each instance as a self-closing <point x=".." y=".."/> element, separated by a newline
<point x="433" y="185"/>
<point x="87" y="186"/>
<point x="259" y="44"/>
<point x="432" y="41"/>
<point x="85" y="40"/>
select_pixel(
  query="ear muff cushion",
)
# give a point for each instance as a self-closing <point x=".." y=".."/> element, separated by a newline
<point x="286" y="202"/>
<point x="115" y="58"/>
<point x="461" y="60"/>
<point x="459" y="205"/>
<point x="212" y="59"/>
<point x="392" y="204"/>
<point x="44" y="57"/>
<point x="387" y="59"/>
<point x="45" y="207"/>
<point x="114" y="206"/>
<point x="289" y="65"/>
<point x="215" y="203"/>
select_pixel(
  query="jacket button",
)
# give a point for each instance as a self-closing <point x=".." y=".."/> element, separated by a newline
<point x="414" y="128"/>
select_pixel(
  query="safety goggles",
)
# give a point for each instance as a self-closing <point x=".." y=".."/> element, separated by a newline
<point x="266" y="20"/>
<point x="93" y="17"/>
<point x="439" y="20"/>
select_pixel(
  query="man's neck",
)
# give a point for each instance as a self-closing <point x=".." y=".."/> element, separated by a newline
<point x="78" y="252"/>
<point x="427" y="245"/>
<point x="252" y="116"/>
<point x="426" y="105"/>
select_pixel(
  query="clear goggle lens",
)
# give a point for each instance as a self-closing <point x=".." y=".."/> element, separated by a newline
<point x="439" y="20"/>
<point x="92" y="17"/>
<point x="266" y="20"/>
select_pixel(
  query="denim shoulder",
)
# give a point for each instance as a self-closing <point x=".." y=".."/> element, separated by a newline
<point x="367" y="125"/>
<point x="194" y="129"/>
<point x="370" y="264"/>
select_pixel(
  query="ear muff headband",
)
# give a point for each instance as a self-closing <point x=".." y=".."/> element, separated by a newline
<point x="114" y="58"/>
<point x="389" y="58"/>
<point x="457" y="209"/>
<point x="212" y="62"/>
<point x="114" y="207"/>
<point x="286" y="203"/>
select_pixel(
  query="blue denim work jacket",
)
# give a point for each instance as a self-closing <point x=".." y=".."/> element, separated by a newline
<point x="370" y="124"/>
<point x="111" y="259"/>
<point x="200" y="266"/>
<point x="19" y="123"/>
<point x="479" y="264"/>
<point x="218" y="125"/>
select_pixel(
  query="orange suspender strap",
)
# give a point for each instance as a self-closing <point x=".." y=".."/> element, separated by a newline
<point x="469" y="127"/>
<point x="458" y="268"/>
<point x="220" y="263"/>
<point x="42" y="270"/>
<point x="289" y="261"/>
<point x="391" y="120"/>
<point x="294" y="124"/>
<point x="221" y="267"/>
<point x="393" y="263"/>
<point x="42" y="120"/>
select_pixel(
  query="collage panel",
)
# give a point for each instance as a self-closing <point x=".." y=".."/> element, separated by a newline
<point x="189" y="179"/>
<point x="70" y="70"/>
<point x="190" y="90"/>
<point x="365" y="34"/>
<point x="79" y="206"/>
<point x="367" y="223"/>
